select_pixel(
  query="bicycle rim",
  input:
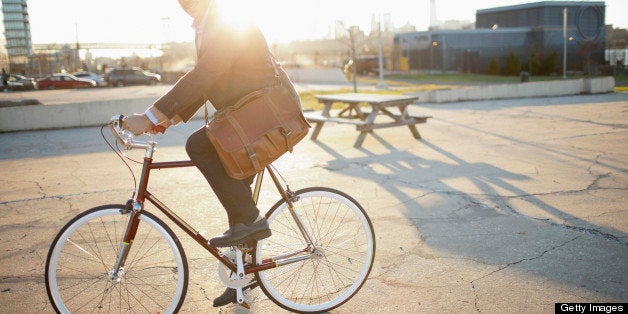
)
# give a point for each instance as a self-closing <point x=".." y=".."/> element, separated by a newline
<point x="81" y="259"/>
<point x="344" y="251"/>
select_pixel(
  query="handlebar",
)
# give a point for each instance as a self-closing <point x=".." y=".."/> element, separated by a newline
<point x="126" y="138"/>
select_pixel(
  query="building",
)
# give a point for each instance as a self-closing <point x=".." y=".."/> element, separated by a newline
<point x="4" y="56"/>
<point x="17" y="35"/>
<point x="533" y="33"/>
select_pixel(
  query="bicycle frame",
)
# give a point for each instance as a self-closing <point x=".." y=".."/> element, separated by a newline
<point x="137" y="206"/>
<point x="123" y="257"/>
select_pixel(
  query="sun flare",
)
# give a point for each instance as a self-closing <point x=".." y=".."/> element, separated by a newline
<point x="241" y="13"/>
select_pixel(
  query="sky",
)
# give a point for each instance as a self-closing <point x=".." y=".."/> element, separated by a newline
<point x="157" y="21"/>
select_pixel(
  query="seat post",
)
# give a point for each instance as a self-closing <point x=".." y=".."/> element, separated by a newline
<point x="258" y="186"/>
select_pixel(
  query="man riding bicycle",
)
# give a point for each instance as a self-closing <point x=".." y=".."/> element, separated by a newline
<point x="231" y="63"/>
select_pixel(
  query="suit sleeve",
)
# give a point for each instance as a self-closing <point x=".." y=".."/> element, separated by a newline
<point x="187" y="95"/>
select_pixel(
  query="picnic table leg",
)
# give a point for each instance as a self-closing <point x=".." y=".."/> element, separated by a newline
<point x="370" y="119"/>
<point x="414" y="131"/>
<point x="360" y="140"/>
<point x="344" y="110"/>
<point x="319" y="125"/>
<point x="317" y="130"/>
<point x="405" y="117"/>
<point x="349" y="111"/>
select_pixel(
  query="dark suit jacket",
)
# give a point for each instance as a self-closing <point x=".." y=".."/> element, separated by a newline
<point x="231" y="63"/>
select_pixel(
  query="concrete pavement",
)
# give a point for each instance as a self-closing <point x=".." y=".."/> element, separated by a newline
<point x="504" y="206"/>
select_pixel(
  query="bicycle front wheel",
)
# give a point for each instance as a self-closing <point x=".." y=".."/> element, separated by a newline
<point x="81" y="259"/>
<point x="325" y="274"/>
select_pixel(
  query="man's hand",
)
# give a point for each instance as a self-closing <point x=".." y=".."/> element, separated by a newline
<point x="138" y="124"/>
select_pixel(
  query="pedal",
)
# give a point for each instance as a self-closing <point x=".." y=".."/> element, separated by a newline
<point x="247" y="248"/>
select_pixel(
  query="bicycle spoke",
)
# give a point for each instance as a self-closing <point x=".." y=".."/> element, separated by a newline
<point x="341" y="257"/>
<point x="152" y="280"/>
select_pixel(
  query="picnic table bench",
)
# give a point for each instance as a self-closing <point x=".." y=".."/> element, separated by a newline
<point x="352" y="113"/>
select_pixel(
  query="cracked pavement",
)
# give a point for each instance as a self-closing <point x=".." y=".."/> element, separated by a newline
<point x="509" y="205"/>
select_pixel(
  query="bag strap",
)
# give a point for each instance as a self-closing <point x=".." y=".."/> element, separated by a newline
<point x="244" y="138"/>
<point x="255" y="93"/>
<point x="206" y="115"/>
<point x="275" y="66"/>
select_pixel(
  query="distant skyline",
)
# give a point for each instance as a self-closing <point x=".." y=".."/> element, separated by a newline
<point x="150" y="21"/>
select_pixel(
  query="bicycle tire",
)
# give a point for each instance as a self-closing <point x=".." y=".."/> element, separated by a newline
<point x="345" y="241"/>
<point x="85" y="251"/>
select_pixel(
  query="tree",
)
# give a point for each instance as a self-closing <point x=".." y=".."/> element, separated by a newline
<point x="493" y="67"/>
<point x="549" y="64"/>
<point x="616" y="37"/>
<point x="586" y="49"/>
<point x="354" y="39"/>
<point x="513" y="65"/>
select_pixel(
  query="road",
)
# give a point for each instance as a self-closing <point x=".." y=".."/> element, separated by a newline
<point x="86" y="95"/>
<point x="504" y="206"/>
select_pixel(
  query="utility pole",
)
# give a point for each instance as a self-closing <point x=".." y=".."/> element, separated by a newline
<point x="353" y="30"/>
<point x="564" y="43"/>
<point x="381" y="84"/>
<point x="77" y="56"/>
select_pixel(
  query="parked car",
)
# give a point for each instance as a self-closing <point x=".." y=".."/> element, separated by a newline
<point x="92" y="76"/>
<point x="62" y="80"/>
<point x="365" y="65"/>
<point x="12" y="86"/>
<point x="131" y="76"/>
<point x="20" y="82"/>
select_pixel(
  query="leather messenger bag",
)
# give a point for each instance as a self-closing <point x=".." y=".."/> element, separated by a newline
<point x="257" y="130"/>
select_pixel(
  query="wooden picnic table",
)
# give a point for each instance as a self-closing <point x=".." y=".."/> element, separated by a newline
<point x="352" y="113"/>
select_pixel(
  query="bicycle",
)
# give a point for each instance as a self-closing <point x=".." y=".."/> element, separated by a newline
<point x="121" y="257"/>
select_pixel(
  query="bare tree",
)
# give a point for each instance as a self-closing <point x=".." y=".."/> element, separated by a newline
<point x="353" y="39"/>
<point x="586" y="49"/>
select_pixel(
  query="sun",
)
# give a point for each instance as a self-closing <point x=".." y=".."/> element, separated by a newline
<point x="241" y="13"/>
<point x="279" y="20"/>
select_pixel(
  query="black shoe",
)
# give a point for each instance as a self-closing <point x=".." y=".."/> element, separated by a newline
<point x="230" y="296"/>
<point x="241" y="233"/>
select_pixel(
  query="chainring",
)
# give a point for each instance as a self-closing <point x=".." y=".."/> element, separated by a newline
<point x="229" y="278"/>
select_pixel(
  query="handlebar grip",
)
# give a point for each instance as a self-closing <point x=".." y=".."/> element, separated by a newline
<point x="126" y="138"/>
<point x="158" y="128"/>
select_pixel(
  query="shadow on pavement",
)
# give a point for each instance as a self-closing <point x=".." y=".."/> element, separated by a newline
<point x="486" y="226"/>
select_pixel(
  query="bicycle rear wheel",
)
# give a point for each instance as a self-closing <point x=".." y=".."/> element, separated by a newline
<point x="339" y="261"/>
<point x="82" y="257"/>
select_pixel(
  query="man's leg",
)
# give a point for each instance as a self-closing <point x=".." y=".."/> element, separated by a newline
<point x="235" y="195"/>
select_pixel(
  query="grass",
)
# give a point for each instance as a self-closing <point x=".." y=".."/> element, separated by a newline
<point x="400" y="84"/>
<point x="309" y="101"/>
<point x="476" y="78"/>
<point x="456" y="78"/>
<point x="396" y="87"/>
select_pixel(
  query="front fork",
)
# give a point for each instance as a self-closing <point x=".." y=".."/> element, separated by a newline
<point x="135" y="209"/>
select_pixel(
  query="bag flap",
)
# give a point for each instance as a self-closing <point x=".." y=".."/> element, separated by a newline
<point x="255" y="117"/>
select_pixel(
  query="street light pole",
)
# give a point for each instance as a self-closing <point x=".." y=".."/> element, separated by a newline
<point x="564" y="43"/>
<point x="381" y="84"/>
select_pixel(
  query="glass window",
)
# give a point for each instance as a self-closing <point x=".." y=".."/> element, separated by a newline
<point x="14" y="25"/>
<point x="13" y="16"/>
<point x="8" y="7"/>
<point x="14" y="33"/>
